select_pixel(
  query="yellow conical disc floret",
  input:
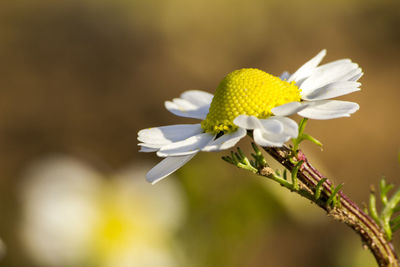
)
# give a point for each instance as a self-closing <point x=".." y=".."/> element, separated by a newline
<point x="248" y="92"/>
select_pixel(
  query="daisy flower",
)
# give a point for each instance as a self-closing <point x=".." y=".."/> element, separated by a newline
<point x="250" y="99"/>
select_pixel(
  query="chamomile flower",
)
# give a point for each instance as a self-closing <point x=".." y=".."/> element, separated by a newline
<point x="250" y="99"/>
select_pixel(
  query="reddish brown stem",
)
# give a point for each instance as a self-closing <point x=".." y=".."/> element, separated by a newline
<point x="347" y="212"/>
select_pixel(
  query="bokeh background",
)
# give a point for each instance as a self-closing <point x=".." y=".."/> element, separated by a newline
<point x="78" y="79"/>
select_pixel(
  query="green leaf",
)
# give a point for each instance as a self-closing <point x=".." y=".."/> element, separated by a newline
<point x="312" y="139"/>
<point x="332" y="197"/>
<point x="319" y="188"/>
<point x="294" y="175"/>
<point x="372" y="208"/>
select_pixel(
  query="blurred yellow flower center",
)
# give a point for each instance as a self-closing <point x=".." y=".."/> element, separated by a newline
<point x="113" y="229"/>
<point x="249" y="92"/>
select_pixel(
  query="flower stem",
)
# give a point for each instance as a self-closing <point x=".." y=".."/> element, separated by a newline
<point x="346" y="212"/>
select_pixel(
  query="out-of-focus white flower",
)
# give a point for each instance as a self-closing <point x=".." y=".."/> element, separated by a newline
<point x="73" y="216"/>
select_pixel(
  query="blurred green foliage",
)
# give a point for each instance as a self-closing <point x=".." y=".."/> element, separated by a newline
<point x="229" y="214"/>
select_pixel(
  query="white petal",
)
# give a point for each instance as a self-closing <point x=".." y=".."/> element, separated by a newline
<point x="276" y="138"/>
<point x="353" y="75"/>
<point x="306" y="70"/>
<point x="263" y="138"/>
<point x="290" y="127"/>
<point x="226" y="141"/>
<point x="271" y="125"/>
<point x="289" y="108"/>
<point x="183" y="108"/>
<point x="186" y="147"/>
<point x="165" y="135"/>
<point x="332" y="90"/>
<point x="328" y="109"/>
<point x="356" y="77"/>
<point x="166" y="167"/>
<point x="197" y="97"/>
<point x="192" y="104"/>
<point x="328" y="73"/>
<point x="144" y="148"/>
<point x="247" y="122"/>
<point x="148" y="145"/>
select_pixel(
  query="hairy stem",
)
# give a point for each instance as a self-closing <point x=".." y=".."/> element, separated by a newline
<point x="347" y="212"/>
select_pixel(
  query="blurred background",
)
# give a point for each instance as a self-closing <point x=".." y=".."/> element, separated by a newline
<point x="78" y="79"/>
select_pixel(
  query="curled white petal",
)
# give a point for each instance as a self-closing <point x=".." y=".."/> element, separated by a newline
<point x="247" y="122"/>
<point x="192" y="104"/>
<point x="328" y="109"/>
<point x="273" y="131"/>
<point x="164" y="135"/>
<point x="226" y="141"/>
<point x="290" y="127"/>
<point x="264" y="138"/>
<point x="166" y="167"/>
<point x="272" y="125"/>
<point x="188" y="146"/>
<point x="272" y="136"/>
<point x="306" y="70"/>
<point x="197" y="97"/>
<point x="332" y="90"/>
<point x="184" y="108"/>
<point x="252" y="122"/>
<point x="289" y="108"/>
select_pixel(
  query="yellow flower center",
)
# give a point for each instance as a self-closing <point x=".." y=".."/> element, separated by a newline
<point x="247" y="92"/>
